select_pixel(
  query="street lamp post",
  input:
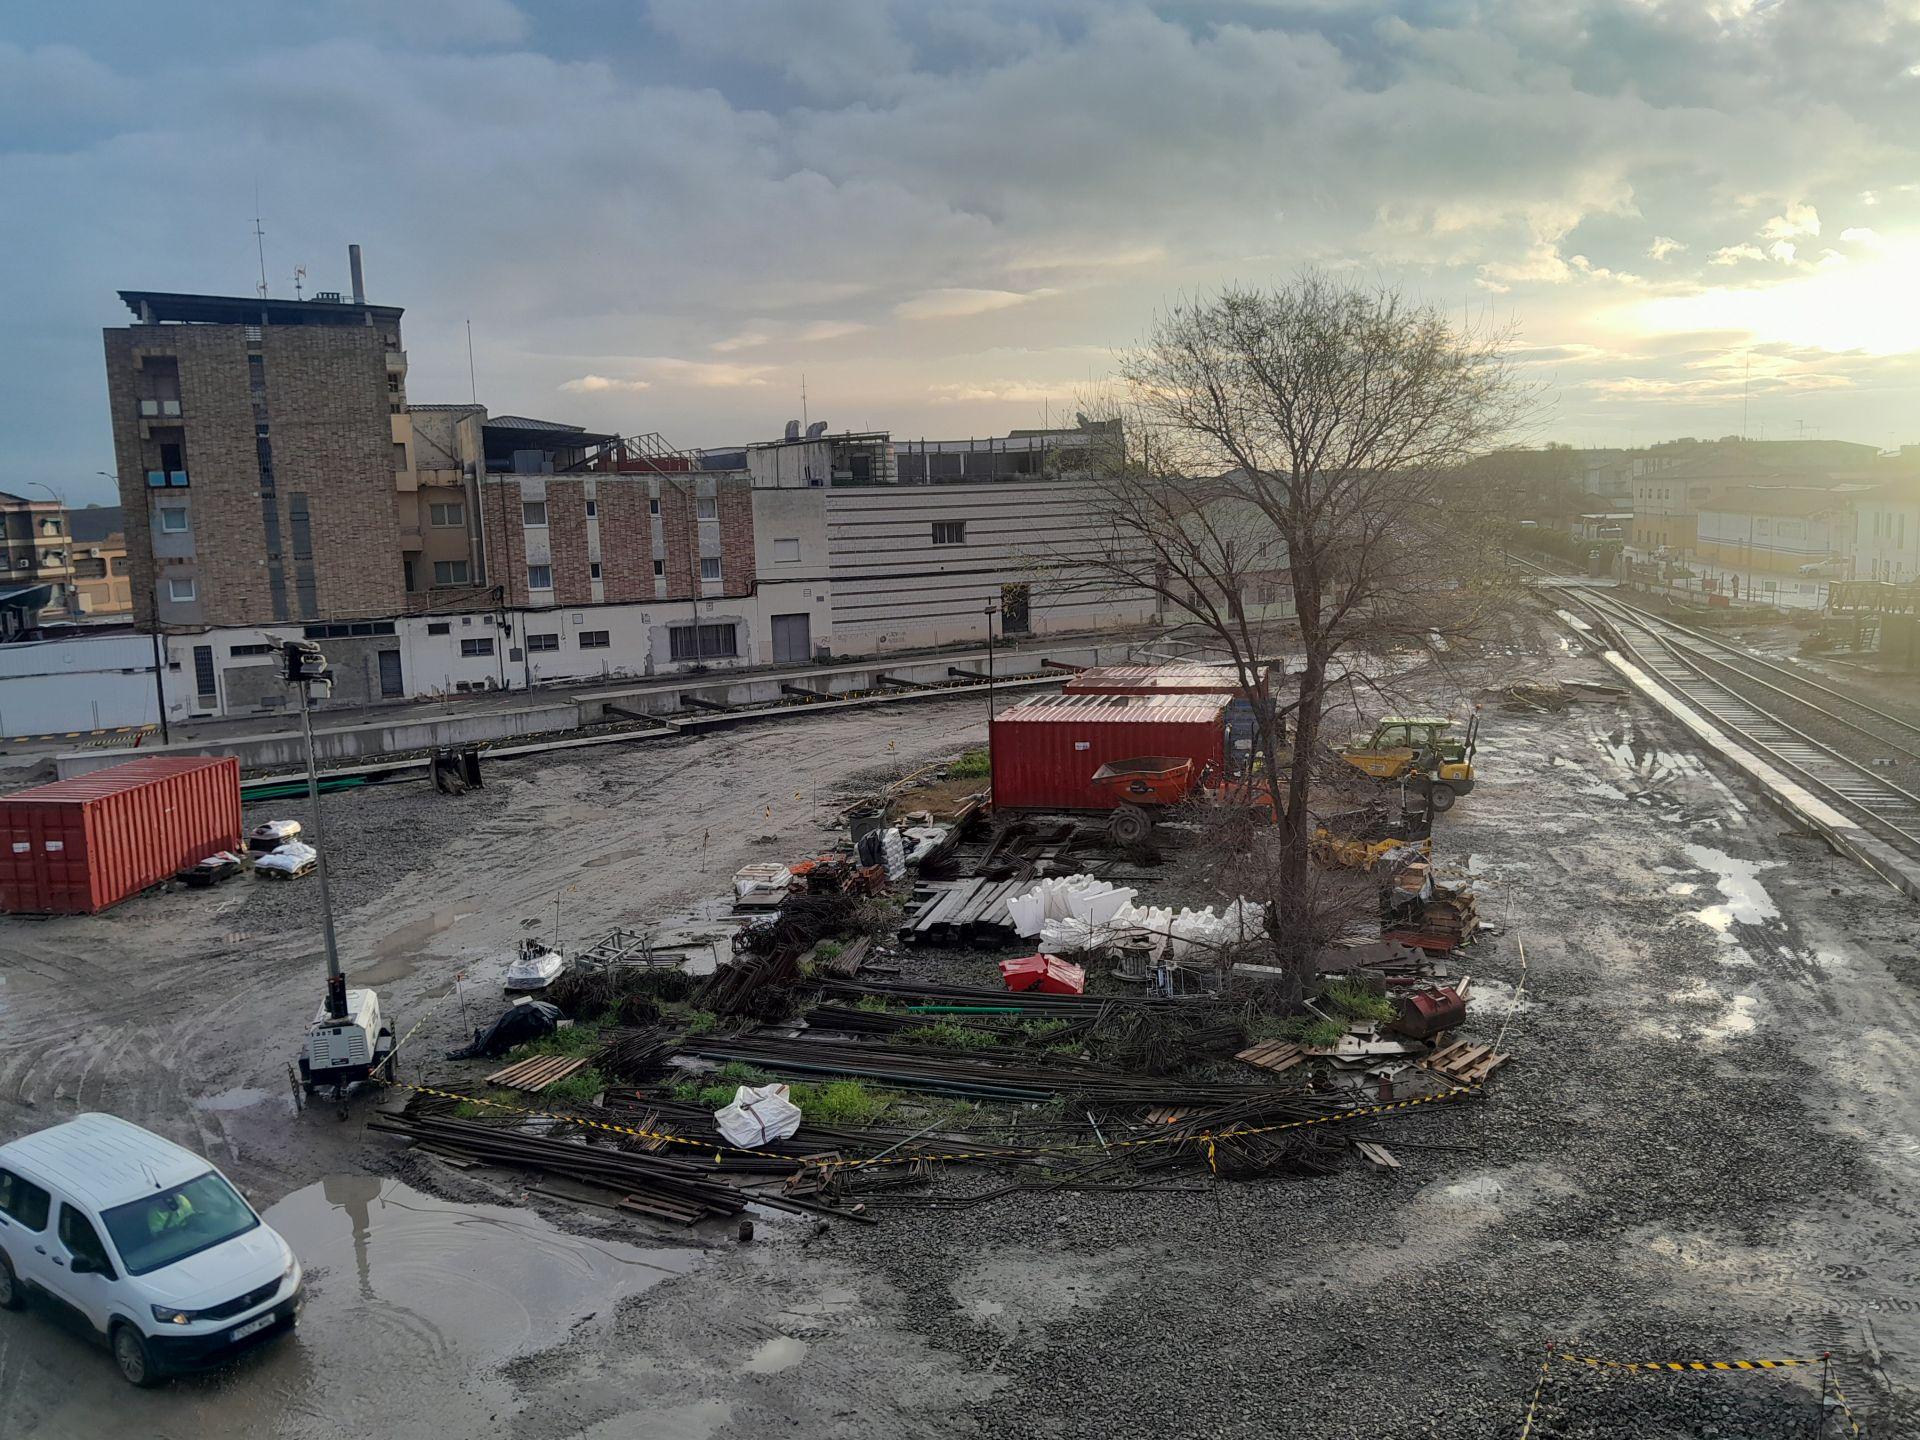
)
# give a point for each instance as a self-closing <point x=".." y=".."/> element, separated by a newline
<point x="988" y="613"/>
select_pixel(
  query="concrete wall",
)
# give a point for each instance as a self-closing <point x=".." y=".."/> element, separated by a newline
<point x="895" y="589"/>
<point x="50" y="687"/>
<point x="338" y="744"/>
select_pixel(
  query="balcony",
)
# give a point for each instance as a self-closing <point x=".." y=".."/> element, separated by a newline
<point x="166" y="479"/>
<point x="159" y="409"/>
<point x="397" y="360"/>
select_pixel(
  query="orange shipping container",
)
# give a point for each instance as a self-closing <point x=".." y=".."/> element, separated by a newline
<point x="80" y="845"/>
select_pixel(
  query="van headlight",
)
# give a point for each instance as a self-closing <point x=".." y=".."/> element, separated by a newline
<point x="168" y="1315"/>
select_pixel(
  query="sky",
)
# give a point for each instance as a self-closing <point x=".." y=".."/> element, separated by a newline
<point x="1696" y="217"/>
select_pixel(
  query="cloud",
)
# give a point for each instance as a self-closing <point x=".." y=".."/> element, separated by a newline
<point x="595" y="384"/>
<point x="1664" y="247"/>
<point x="1003" y="392"/>
<point x="1734" y="254"/>
<point x="1798" y="220"/>
<point x="832" y="330"/>
<point x="711" y="375"/>
<point x="747" y="340"/>
<point x="1859" y="235"/>
<point x="1782" y="250"/>
<point x="951" y="303"/>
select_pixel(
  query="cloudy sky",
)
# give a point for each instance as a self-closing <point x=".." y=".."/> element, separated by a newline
<point x="659" y="216"/>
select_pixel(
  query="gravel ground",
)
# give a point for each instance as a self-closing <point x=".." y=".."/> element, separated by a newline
<point x="1702" y="1149"/>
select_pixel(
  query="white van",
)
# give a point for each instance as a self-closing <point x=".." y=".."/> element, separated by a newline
<point x="144" y="1241"/>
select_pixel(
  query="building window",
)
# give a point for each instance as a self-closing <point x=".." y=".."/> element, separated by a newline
<point x="593" y="569"/>
<point x="659" y="568"/>
<point x="450" y="572"/>
<point x="949" y="532"/>
<point x="173" y="519"/>
<point x="539" y="577"/>
<point x="593" y="508"/>
<point x="593" y="640"/>
<point x="238" y="650"/>
<point x="348" y="629"/>
<point x="543" y="642"/>
<point x="439" y="627"/>
<point x="703" y="642"/>
<point x="786" y="552"/>
<point x="400" y="457"/>
<point x="451" y="515"/>
<point x="706" y="508"/>
<point x="481" y="646"/>
<point x="179" y="588"/>
<point x="533" y="512"/>
<point x="709" y="567"/>
<point x="653" y="504"/>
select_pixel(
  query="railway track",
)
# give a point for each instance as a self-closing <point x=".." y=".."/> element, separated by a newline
<point x="1772" y="709"/>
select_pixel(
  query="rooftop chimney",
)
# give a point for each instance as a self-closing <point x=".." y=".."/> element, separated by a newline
<point x="359" y="280"/>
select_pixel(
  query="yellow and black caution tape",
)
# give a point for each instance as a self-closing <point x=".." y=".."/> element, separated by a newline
<point x="1682" y="1365"/>
<point x="1209" y="1138"/>
<point x="1853" y="1425"/>
<point x="1546" y="1365"/>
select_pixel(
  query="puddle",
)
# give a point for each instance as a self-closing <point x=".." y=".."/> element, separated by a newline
<point x="1682" y="887"/>
<point x="395" y="953"/>
<point x="418" y="1296"/>
<point x="782" y="1352"/>
<point x="240" y="1098"/>
<point x="1746" y="901"/>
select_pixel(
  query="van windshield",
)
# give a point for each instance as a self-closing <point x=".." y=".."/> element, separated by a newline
<point x="170" y="1225"/>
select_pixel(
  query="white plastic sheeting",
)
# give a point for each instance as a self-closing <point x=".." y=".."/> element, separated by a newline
<point x="758" y="1114"/>
<point x="893" y="847"/>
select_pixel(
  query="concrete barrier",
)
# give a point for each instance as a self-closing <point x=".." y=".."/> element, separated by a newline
<point x="341" y="744"/>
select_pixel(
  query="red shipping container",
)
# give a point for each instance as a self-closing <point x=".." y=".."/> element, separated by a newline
<point x="1048" y="974"/>
<point x="1046" y="750"/>
<point x="80" y="845"/>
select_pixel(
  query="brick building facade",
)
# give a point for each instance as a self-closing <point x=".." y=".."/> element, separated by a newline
<point x="256" y="460"/>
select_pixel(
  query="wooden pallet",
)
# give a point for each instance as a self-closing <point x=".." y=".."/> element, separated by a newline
<point x="537" y="1072"/>
<point x="1377" y="1156"/>
<point x="1466" y="1062"/>
<point x="1169" y="1115"/>
<point x="1273" y="1055"/>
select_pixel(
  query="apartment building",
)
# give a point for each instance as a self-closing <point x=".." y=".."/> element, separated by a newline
<point x="102" y="577"/>
<point x="36" y="554"/>
<point x="257" y="443"/>
<point x="1886" y="531"/>
<point x="1776" y="529"/>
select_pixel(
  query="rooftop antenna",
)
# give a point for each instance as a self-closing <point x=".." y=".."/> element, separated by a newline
<point x="804" y="418"/>
<point x="472" y="382"/>
<point x="299" y="277"/>
<point x="1746" y="386"/>
<point x="260" y="239"/>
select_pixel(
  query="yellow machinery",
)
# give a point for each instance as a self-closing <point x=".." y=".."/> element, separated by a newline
<point x="1423" y="746"/>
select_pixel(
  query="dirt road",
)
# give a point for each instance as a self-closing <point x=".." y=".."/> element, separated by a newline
<point x="1704" y="1148"/>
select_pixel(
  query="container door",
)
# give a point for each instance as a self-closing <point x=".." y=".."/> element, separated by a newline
<point x="792" y="639"/>
<point x="390" y="673"/>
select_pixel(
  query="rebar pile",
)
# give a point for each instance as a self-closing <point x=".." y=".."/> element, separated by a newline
<point x="760" y="986"/>
<point x="634" y="1054"/>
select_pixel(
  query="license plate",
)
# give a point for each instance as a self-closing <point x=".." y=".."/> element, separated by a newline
<point x="252" y="1327"/>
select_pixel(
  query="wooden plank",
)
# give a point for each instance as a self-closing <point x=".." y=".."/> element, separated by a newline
<point x="537" y="1072"/>
<point x="1377" y="1155"/>
<point x="1273" y="1055"/>
<point x="661" y="1208"/>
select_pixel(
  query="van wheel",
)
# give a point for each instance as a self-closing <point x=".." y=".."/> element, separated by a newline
<point x="1442" y="798"/>
<point x="130" y="1354"/>
<point x="11" y="1295"/>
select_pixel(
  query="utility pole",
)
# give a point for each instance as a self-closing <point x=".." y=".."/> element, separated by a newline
<point x="989" y="612"/>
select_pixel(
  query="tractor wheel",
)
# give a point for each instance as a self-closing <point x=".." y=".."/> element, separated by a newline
<point x="1130" y="825"/>
<point x="1442" y="798"/>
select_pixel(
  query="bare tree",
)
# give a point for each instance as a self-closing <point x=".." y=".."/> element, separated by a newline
<point x="1285" y="457"/>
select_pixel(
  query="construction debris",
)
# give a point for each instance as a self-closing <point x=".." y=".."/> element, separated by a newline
<point x="536" y="1072"/>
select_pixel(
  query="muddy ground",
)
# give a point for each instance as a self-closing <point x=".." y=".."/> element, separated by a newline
<point x="1703" y="1149"/>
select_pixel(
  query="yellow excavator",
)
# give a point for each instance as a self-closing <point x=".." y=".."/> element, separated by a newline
<point x="1422" y="746"/>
